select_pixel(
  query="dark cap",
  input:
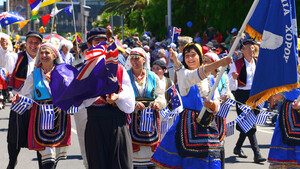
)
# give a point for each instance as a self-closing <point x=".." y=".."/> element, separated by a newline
<point x="160" y="63"/>
<point x="34" y="34"/>
<point x="245" y="42"/>
<point x="96" y="33"/>
<point x="83" y="46"/>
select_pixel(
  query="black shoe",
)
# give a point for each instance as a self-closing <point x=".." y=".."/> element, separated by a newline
<point x="240" y="153"/>
<point x="258" y="158"/>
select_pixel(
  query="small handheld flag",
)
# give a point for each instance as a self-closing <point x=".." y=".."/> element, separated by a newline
<point x="173" y="33"/>
<point x="22" y="104"/>
<point x="225" y="107"/>
<point x="72" y="110"/>
<point x="246" y="119"/>
<point x="146" y="123"/>
<point x="230" y="128"/>
<point x="262" y="117"/>
<point x="175" y="100"/>
<point x="47" y="117"/>
<point x="164" y="112"/>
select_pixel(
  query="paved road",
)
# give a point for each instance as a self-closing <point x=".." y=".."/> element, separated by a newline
<point x="27" y="159"/>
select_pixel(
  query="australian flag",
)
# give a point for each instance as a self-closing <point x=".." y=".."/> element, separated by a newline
<point x="47" y="117"/>
<point x="7" y="18"/>
<point x="21" y="105"/>
<point x="97" y="77"/>
<point x="175" y="100"/>
<point x="174" y="33"/>
<point x="146" y="120"/>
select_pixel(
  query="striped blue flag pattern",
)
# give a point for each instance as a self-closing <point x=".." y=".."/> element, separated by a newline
<point x="225" y="107"/>
<point x="164" y="126"/>
<point x="146" y="120"/>
<point x="72" y="110"/>
<point x="262" y="117"/>
<point x="164" y="112"/>
<point x="246" y="121"/>
<point x="47" y="117"/>
<point x="261" y="105"/>
<point x="22" y="104"/>
<point x="230" y="128"/>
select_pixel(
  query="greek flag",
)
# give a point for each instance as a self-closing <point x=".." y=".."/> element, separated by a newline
<point x="244" y="108"/>
<point x="262" y="117"/>
<point x="230" y="128"/>
<point x="246" y="120"/>
<point x="261" y="105"/>
<point x="72" y="110"/>
<point x="146" y="120"/>
<point x="164" y="126"/>
<point x="47" y="116"/>
<point x="164" y="112"/>
<point x="224" y="108"/>
<point x="22" y="104"/>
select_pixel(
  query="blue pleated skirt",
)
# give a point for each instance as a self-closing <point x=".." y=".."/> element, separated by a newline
<point x="166" y="155"/>
<point x="280" y="153"/>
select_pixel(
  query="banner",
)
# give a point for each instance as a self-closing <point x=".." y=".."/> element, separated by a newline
<point x="275" y="24"/>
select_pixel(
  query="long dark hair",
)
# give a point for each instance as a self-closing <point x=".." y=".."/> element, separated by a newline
<point x="187" y="48"/>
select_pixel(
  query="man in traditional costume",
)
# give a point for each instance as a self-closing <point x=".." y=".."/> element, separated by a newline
<point x="18" y="125"/>
<point x="107" y="137"/>
<point x="240" y="81"/>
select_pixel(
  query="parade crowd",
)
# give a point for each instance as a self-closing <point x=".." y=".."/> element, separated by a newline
<point x="139" y="123"/>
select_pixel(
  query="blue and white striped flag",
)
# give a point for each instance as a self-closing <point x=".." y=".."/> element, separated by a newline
<point x="246" y="120"/>
<point x="164" y="126"/>
<point x="22" y="104"/>
<point x="244" y="108"/>
<point x="146" y="120"/>
<point x="262" y="117"/>
<point x="72" y="110"/>
<point x="164" y="112"/>
<point x="47" y="116"/>
<point x="230" y="128"/>
<point x="261" y="105"/>
<point x="224" y="108"/>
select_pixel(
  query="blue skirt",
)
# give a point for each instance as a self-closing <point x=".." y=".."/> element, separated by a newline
<point x="280" y="152"/>
<point x="166" y="155"/>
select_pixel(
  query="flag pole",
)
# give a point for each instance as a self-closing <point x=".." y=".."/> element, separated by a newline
<point x="74" y="24"/>
<point x="235" y="43"/>
<point x="52" y="21"/>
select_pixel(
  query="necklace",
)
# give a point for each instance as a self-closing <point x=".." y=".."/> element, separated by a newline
<point x="140" y="80"/>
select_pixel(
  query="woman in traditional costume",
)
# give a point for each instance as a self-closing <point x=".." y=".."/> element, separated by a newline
<point x="224" y="92"/>
<point x="192" y="143"/>
<point x="148" y="94"/>
<point x="51" y="142"/>
<point x="285" y="144"/>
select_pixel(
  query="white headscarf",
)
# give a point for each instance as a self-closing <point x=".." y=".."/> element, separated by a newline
<point x="53" y="48"/>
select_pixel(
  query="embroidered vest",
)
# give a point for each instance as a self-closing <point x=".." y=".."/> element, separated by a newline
<point x="149" y="91"/>
<point x="19" y="74"/>
<point x="102" y="100"/>
<point x="40" y="90"/>
<point x="241" y="70"/>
